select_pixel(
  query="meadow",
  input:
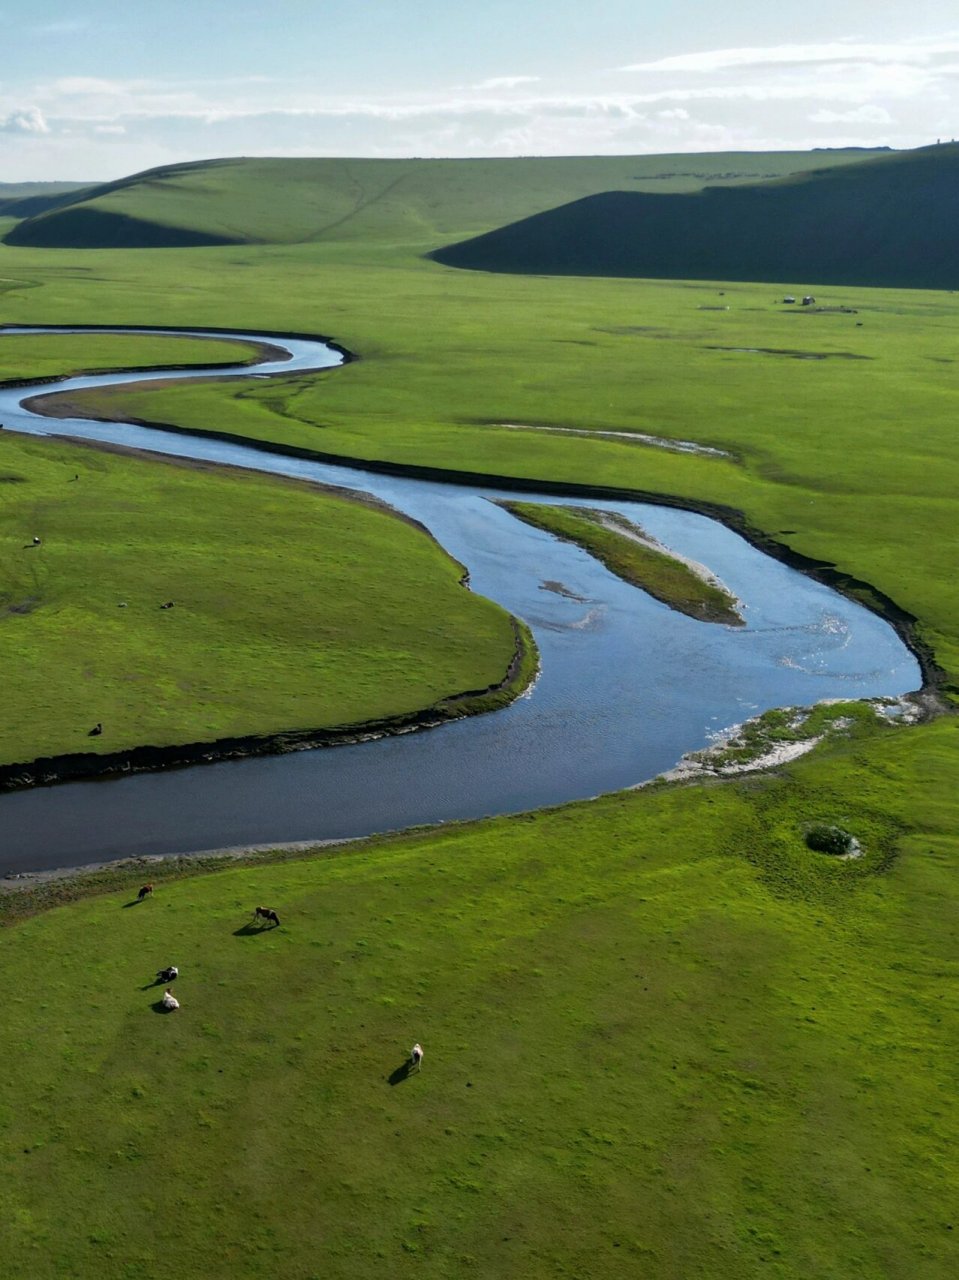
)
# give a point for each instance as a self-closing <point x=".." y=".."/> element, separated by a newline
<point x="293" y="610"/>
<point x="663" y="1038"/>
<point x="55" y="356"/>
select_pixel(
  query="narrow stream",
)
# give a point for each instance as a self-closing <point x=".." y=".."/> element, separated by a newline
<point x="627" y="685"/>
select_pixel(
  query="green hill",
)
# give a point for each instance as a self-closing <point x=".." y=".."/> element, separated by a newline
<point x="419" y="202"/>
<point x="888" y="221"/>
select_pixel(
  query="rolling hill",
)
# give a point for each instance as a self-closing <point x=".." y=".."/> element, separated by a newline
<point x="891" y="220"/>
<point x="419" y="202"/>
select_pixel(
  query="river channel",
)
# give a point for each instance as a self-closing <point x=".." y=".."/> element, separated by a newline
<point x="627" y="686"/>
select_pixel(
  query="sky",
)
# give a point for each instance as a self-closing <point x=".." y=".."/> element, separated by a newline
<point x="92" y="90"/>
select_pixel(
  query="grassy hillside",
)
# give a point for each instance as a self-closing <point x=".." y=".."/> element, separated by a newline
<point x="412" y="201"/>
<point x="887" y="221"/>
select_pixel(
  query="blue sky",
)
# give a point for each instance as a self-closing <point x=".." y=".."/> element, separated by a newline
<point x="95" y="89"/>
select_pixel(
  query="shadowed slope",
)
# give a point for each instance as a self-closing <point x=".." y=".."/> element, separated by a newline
<point x="890" y="221"/>
<point x="26" y="199"/>
<point x="84" y="228"/>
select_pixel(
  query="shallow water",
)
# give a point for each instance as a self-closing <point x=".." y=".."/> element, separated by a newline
<point x="627" y="685"/>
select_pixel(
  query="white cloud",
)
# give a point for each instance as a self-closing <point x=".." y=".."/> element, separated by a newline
<point x="788" y="96"/>
<point x="914" y="52"/>
<point x="75" y="100"/>
<point x="858" y="115"/>
<point x="80" y="85"/>
<point x="505" y="82"/>
<point x="24" y="120"/>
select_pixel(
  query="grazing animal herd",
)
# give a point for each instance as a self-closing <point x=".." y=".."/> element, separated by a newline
<point x="266" y="915"/>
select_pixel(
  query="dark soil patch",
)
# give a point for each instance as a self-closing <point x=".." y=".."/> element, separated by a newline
<point x="627" y="330"/>
<point x="20" y="606"/>
<point x="790" y="354"/>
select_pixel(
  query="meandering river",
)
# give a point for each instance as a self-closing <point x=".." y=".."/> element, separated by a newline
<point x="627" y="686"/>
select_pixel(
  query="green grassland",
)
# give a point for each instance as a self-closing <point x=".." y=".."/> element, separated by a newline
<point x="24" y="355"/>
<point x="357" y="200"/>
<point x="663" y="576"/>
<point x="292" y="610"/>
<point x="663" y="1038"/>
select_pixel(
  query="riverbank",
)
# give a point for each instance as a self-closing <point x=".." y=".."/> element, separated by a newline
<point x="119" y="615"/>
<point x="54" y="355"/>
<point x="761" y="745"/>
<point x="86" y="766"/>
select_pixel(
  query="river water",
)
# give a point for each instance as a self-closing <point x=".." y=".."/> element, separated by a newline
<point x="627" y="685"/>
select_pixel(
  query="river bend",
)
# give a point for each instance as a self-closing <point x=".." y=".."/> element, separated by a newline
<point x="627" y="686"/>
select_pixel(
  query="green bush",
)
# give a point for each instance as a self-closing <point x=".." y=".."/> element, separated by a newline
<point x="826" y="839"/>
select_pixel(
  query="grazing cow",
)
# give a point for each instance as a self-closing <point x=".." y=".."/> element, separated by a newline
<point x="169" y="1001"/>
<point x="145" y="891"/>
<point x="266" y="913"/>
<point x="168" y="974"/>
<point x="416" y="1057"/>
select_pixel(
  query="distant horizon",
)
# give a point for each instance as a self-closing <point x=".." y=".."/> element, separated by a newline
<point x="109" y="92"/>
